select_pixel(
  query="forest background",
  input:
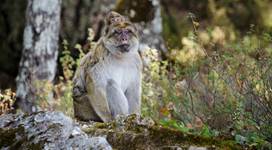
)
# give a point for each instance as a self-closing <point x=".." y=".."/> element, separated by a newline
<point x="209" y="62"/>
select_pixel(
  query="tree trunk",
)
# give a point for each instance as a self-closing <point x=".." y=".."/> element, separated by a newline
<point x="40" y="51"/>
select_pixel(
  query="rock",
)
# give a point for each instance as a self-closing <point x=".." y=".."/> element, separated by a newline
<point x="54" y="130"/>
<point x="197" y="148"/>
<point x="99" y="143"/>
<point x="45" y="130"/>
<point x="135" y="132"/>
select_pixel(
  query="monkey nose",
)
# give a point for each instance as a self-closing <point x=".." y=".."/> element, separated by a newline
<point x="124" y="40"/>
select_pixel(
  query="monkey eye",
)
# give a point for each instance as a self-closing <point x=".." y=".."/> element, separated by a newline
<point x="116" y="32"/>
<point x="125" y="31"/>
<point x="128" y="31"/>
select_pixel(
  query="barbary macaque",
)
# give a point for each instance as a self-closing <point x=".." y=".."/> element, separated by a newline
<point x="108" y="80"/>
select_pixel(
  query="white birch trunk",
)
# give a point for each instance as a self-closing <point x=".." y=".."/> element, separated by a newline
<point x="40" y="50"/>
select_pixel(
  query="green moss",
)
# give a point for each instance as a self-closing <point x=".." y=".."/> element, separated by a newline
<point x="8" y="137"/>
<point x="163" y="135"/>
<point x="131" y="134"/>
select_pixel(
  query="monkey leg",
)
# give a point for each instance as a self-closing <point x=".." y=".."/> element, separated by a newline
<point x="116" y="99"/>
<point x="83" y="109"/>
<point x="98" y="100"/>
<point x="133" y="95"/>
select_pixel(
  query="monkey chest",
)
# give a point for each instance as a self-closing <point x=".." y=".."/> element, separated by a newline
<point x="123" y="75"/>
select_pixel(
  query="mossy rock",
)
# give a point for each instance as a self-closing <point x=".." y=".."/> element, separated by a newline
<point x="142" y="133"/>
<point x="45" y="130"/>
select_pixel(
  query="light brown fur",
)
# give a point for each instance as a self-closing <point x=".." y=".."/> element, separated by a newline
<point x="108" y="80"/>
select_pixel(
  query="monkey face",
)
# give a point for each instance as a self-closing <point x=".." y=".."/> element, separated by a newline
<point x="121" y="38"/>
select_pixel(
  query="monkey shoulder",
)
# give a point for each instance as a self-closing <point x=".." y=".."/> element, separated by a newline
<point x="79" y="80"/>
<point x="83" y="74"/>
<point x="138" y="61"/>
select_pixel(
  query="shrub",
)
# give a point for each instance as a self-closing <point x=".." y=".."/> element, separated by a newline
<point x="215" y="83"/>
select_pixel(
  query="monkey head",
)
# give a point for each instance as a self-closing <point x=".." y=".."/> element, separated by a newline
<point x="121" y="36"/>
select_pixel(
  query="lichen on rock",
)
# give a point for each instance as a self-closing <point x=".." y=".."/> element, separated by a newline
<point x="45" y="130"/>
<point x="54" y="130"/>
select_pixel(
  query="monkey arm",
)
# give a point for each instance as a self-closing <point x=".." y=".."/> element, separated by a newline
<point x="98" y="100"/>
<point x="117" y="100"/>
<point x="133" y="94"/>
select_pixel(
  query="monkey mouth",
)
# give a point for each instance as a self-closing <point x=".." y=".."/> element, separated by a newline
<point x="124" y="47"/>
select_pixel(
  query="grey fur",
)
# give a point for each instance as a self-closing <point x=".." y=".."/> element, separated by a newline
<point x="108" y="87"/>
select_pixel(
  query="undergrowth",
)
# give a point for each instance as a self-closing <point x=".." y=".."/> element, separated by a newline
<point x="218" y="83"/>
